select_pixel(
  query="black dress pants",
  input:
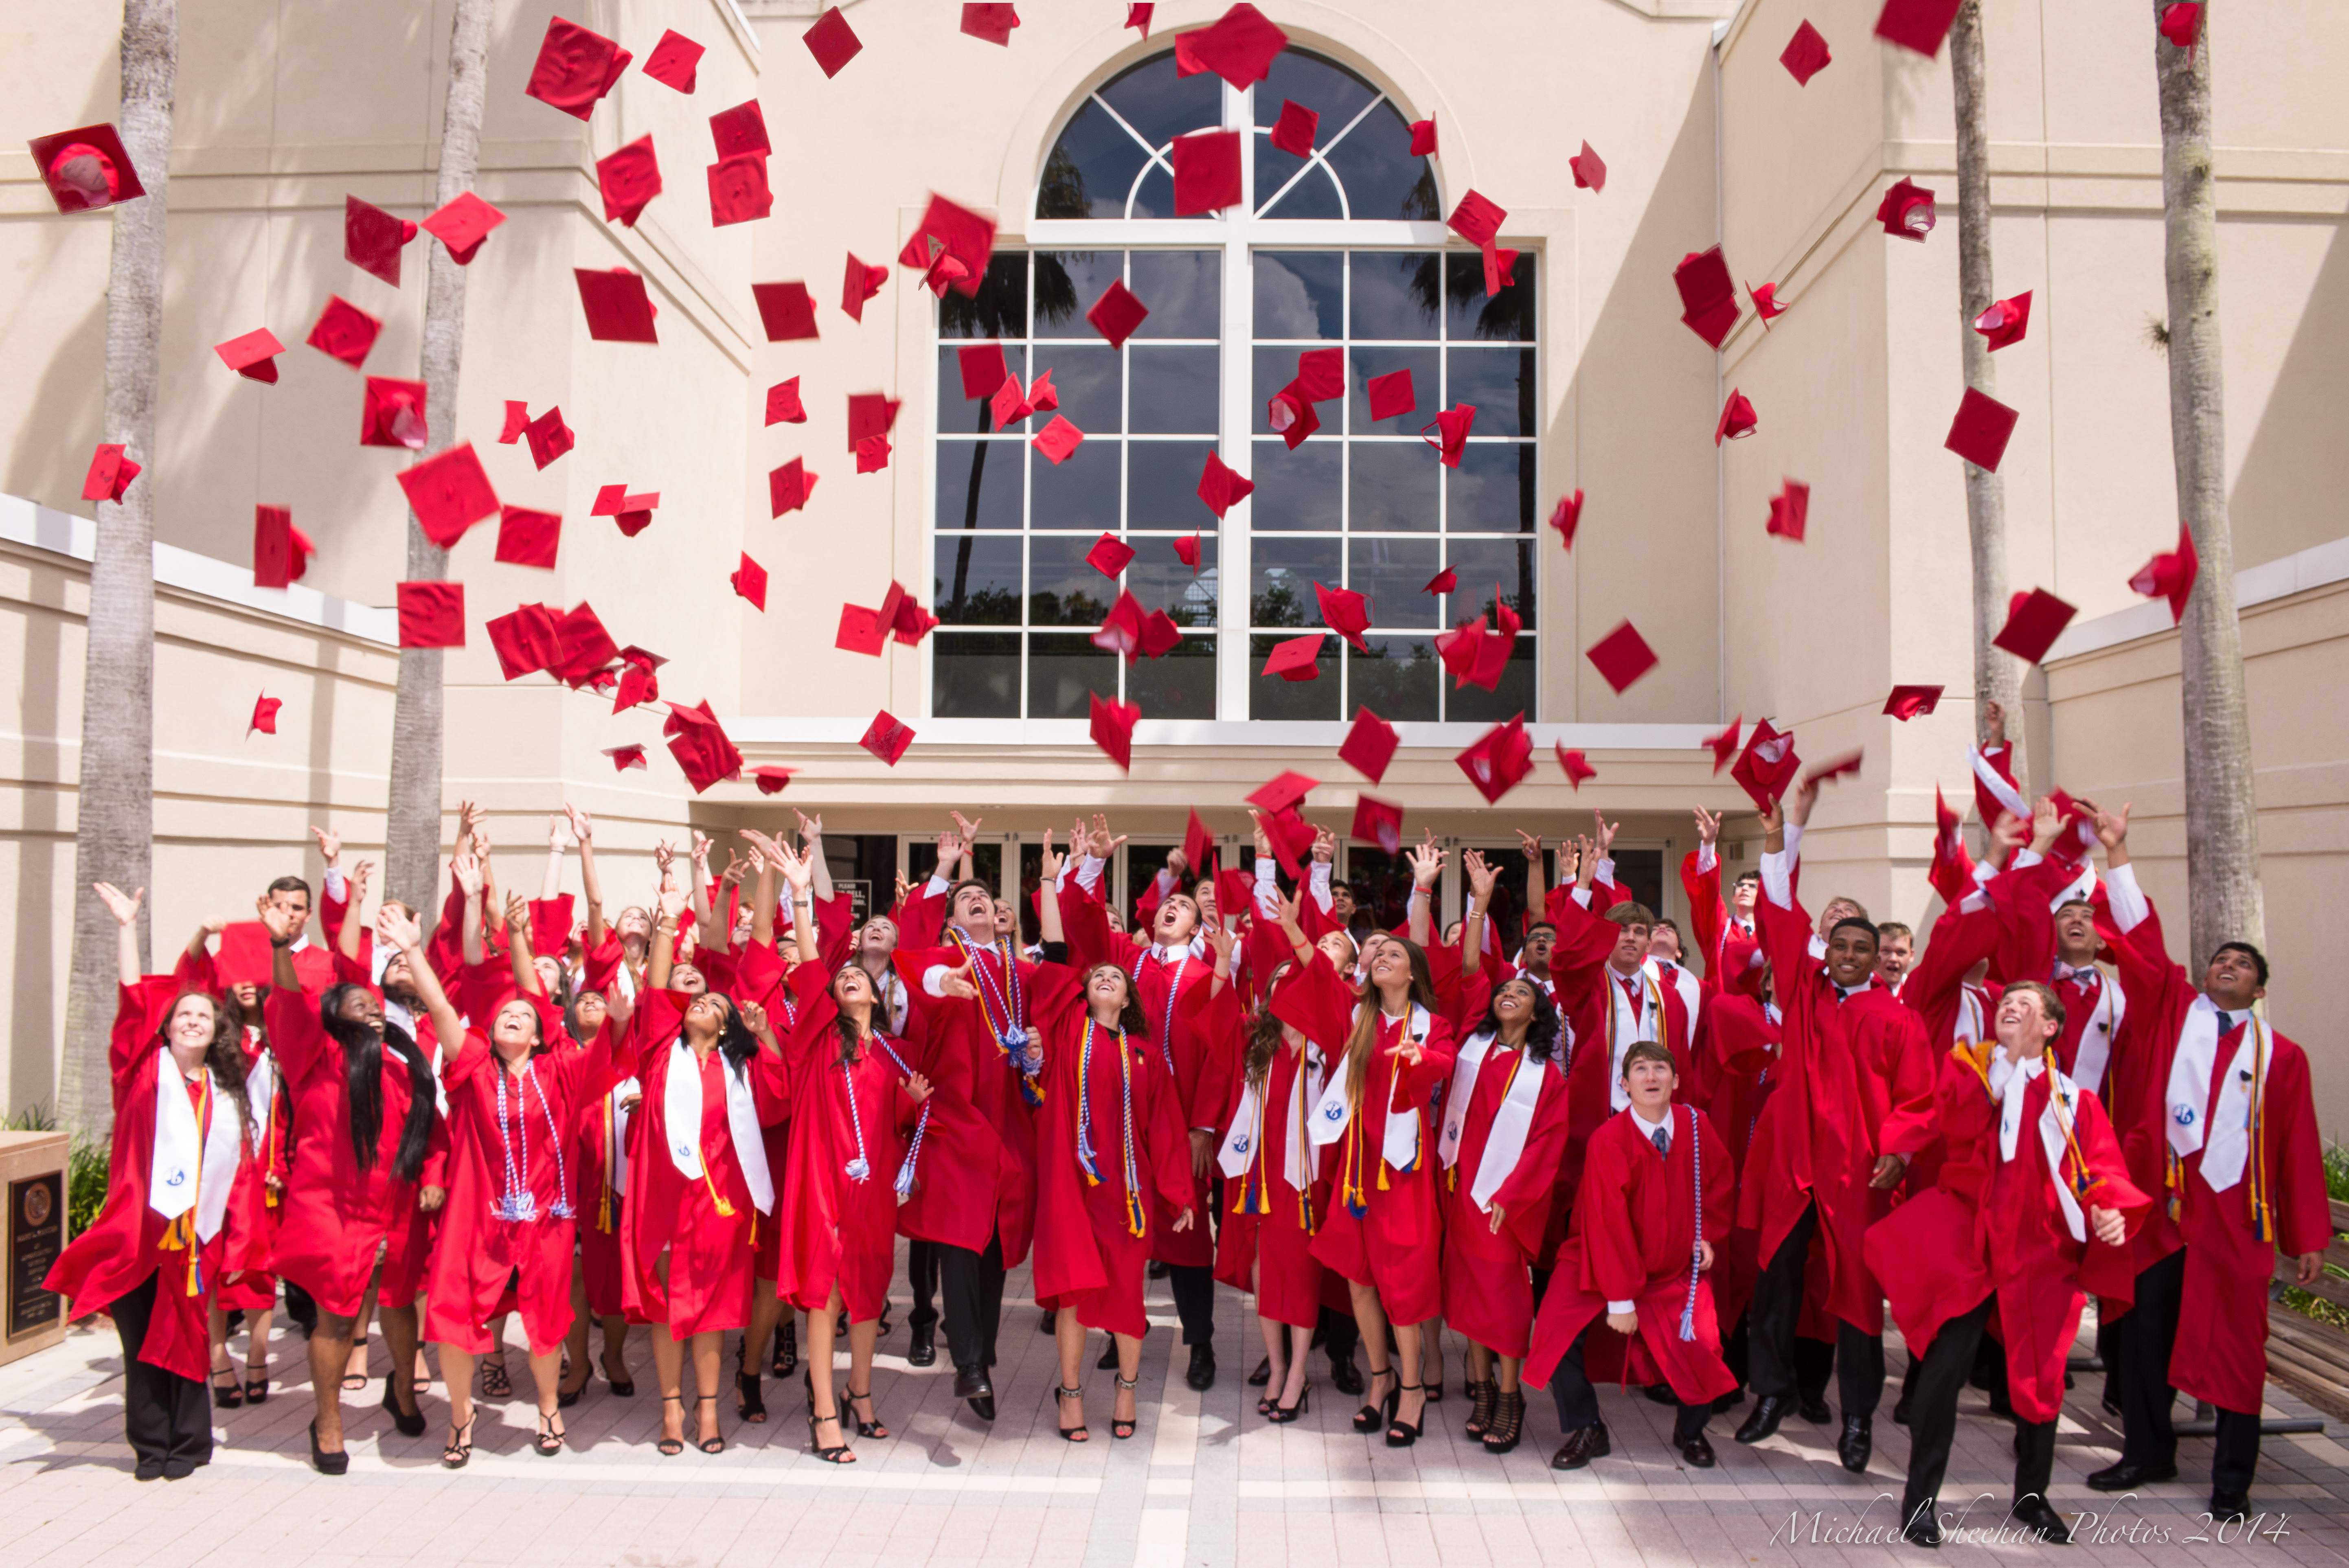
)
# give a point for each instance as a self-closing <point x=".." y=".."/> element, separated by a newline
<point x="1784" y="1364"/>
<point x="2147" y="1332"/>
<point x="922" y="1279"/>
<point x="1194" y="1300"/>
<point x="1942" y="1374"/>
<point x="971" y="1286"/>
<point x="166" y="1418"/>
<point x="1577" y="1402"/>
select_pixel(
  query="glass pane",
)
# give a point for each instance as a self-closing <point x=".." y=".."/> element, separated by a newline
<point x="1162" y="487"/>
<point x="978" y="485"/>
<point x="1089" y="378"/>
<point x="1283" y="572"/>
<point x="1492" y="490"/>
<point x="978" y="579"/>
<point x="1394" y="293"/>
<point x="1185" y="292"/>
<point x="1061" y="670"/>
<point x="1300" y="294"/>
<point x="1080" y="492"/>
<point x="1394" y="487"/>
<point x="1174" y="390"/>
<point x="1513" y="693"/>
<point x="1156" y="198"/>
<point x="1160" y="105"/>
<point x="1067" y="283"/>
<point x="1179" y="685"/>
<point x="1315" y="196"/>
<point x="1508" y="319"/>
<point x="975" y="674"/>
<point x="1330" y="91"/>
<point x="1391" y="572"/>
<point x="1271" y="697"/>
<point x="1374" y="163"/>
<point x="1160" y="580"/>
<point x="1486" y="564"/>
<point x="1295" y="490"/>
<point x="999" y="309"/>
<point x="1398" y="679"/>
<point x="1063" y="590"/>
<point x="957" y="414"/>
<point x="1425" y="388"/>
<point x="1500" y="383"/>
<point x="1091" y="168"/>
<point x="1270" y="369"/>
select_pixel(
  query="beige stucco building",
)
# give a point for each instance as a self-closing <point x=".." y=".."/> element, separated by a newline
<point x="1584" y="376"/>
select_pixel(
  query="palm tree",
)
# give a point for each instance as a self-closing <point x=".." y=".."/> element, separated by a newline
<point x="2222" y="829"/>
<point x="114" y="816"/>
<point x="412" y="828"/>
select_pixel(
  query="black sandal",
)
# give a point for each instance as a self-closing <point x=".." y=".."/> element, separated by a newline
<point x="670" y="1448"/>
<point x="454" y="1454"/>
<point x="864" y="1429"/>
<point x="840" y="1454"/>
<point x="1481" y="1399"/>
<point x="1508" y="1422"/>
<point x="1377" y="1412"/>
<point x="787" y="1346"/>
<point x="709" y="1445"/>
<point x="495" y="1383"/>
<point x="229" y="1397"/>
<point x="548" y="1440"/>
<point x="1282" y="1414"/>
<point x="749" y="1400"/>
<point x="1080" y="1433"/>
<point x="1401" y="1434"/>
<point x="407" y="1426"/>
<point x="1122" y="1430"/>
<point x="256" y="1390"/>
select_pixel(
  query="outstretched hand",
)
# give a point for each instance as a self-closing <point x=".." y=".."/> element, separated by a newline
<point x="125" y="909"/>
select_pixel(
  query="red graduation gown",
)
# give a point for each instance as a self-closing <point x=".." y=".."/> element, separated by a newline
<point x="981" y="1129"/>
<point x="1264" y="1243"/>
<point x="1488" y="1292"/>
<point x="1168" y="992"/>
<point x="1578" y="964"/>
<point x="1737" y="1054"/>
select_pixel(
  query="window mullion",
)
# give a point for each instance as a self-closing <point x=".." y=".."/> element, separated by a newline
<point x="1234" y="361"/>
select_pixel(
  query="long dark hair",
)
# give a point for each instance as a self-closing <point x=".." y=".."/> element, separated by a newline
<point x="363" y="1073"/>
<point x="1541" y="1035"/>
<point x="1131" y="1018"/>
<point x="737" y="1044"/>
<point x="1264" y="1035"/>
<point x="224" y="1052"/>
<point x="1363" y="1040"/>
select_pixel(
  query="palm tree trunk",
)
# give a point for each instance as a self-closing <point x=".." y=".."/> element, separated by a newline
<point x="412" y="826"/>
<point x="114" y="812"/>
<point x="1996" y="676"/>
<point x="2222" y="829"/>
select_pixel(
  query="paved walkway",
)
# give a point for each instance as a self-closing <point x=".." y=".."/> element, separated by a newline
<point x="1206" y="1483"/>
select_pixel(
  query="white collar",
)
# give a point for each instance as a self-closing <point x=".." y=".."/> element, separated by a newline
<point x="1649" y="1129"/>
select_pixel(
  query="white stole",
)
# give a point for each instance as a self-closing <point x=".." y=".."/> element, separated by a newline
<point x="1624" y="1027"/>
<point x="681" y="1107"/>
<point x="2222" y="1131"/>
<point x="2096" y="1046"/>
<point x="181" y="1176"/>
<point x="616" y="1157"/>
<point x="2009" y="1084"/>
<point x="1506" y="1144"/>
<point x="1242" y="1143"/>
<point x="260" y="1093"/>
<point x="1399" y="1144"/>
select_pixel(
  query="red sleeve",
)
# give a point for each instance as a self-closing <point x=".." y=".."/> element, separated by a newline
<point x="550" y="926"/>
<point x="1084" y="923"/>
<point x="445" y="948"/>
<point x="195" y="971"/>
<point x="140" y="1012"/>
<point x="1577" y="961"/>
<point x="1720" y="1182"/>
<point x="294" y="1032"/>
<point x="471" y="1056"/>
<point x="1785" y="936"/>
<point x="1960" y="940"/>
<point x="481" y="989"/>
<point x="1314" y="1001"/>
<point x="601" y="964"/>
<point x="921" y="917"/>
<point x="332" y="910"/>
<point x="1705" y="914"/>
<point x="2304" y="1216"/>
<point x="1909" y="1123"/>
<point x="758" y="973"/>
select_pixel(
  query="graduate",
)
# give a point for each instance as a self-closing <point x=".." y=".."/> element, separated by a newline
<point x="1716" y="924"/>
<point x="1655" y="1201"/>
<point x="1611" y="996"/>
<point x="164" y="1241"/>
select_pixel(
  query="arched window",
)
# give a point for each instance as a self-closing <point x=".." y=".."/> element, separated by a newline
<point x="1346" y="247"/>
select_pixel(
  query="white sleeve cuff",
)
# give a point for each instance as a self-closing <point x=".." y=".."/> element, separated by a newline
<point x="1794" y="842"/>
<point x="1089" y="872"/>
<point x="2025" y="858"/>
<point x="1606" y="871"/>
<point x="1268" y="890"/>
<point x="1163" y="882"/>
<point x="1778" y="875"/>
<point x="933" y="979"/>
<point x="936" y="887"/>
<point x="1706" y="859"/>
<point x="337" y="888"/>
<point x="1320" y="882"/>
<point x="2130" y="906"/>
<point x="1581" y="895"/>
<point x="1619" y="1306"/>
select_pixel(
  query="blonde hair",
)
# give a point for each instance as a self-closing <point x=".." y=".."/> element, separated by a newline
<point x="1364" y="1038"/>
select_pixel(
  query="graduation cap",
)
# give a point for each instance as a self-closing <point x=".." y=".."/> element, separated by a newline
<point x="1186" y="551"/>
<point x="750" y="581"/>
<point x="462" y="225"/>
<point x="1622" y="656"/>
<point x="1042" y="397"/>
<point x="1112" y="728"/>
<point x="2005" y="321"/>
<point x="1458" y="648"/>
<point x="2170" y="574"/>
<point x="1291" y="837"/>
<point x="861" y="631"/>
<point x="1391" y="395"/>
<point x="784" y="405"/>
<point x="1281" y="791"/>
<point x="1708" y="299"/>
<point x="527" y="538"/>
<point x="1500" y="760"/>
<point x="1058" y="440"/>
<point x="431" y="615"/>
<point x="615" y="305"/>
<point x="1980" y="430"/>
<point x="869" y="414"/>
<point x="252" y="355"/>
<point x="740" y="131"/>
<point x="673" y="60"/>
<point x="1239" y="47"/>
<point x="2182" y="24"/>
<point x="1160" y="634"/>
<point x="1577" y="766"/>
<point x="1477" y="219"/>
<point x="957" y="231"/>
<point x="1010" y="405"/>
<point x="1198" y="844"/>
<point x="864" y="281"/>
<point x="391" y="414"/>
<point x="1952" y="874"/>
<point x="625" y="758"/>
<point x="991" y="24"/>
<point x="1109" y="555"/>
<point x="786" y="310"/>
<point x="1790" y="509"/>
<point x="914" y="621"/>
<point x="1738" y="419"/>
<point x="872" y="454"/>
<point x="1344" y="612"/>
<point x="1907" y="702"/>
<point x="1723" y="744"/>
<point x="449" y="492"/>
<point x="1766" y="304"/>
<point x="1442" y="582"/>
<point x="1918" y="24"/>
<point x="738" y="190"/>
<point x="1121" y="629"/>
<point x="1137" y="16"/>
<point x="1805" y="55"/>
<point x="1294" y="659"/>
<point x="1378" y="822"/>
<point x="1906" y="211"/>
<point x="638" y="684"/>
<point x="1828" y="773"/>
<point x="344" y="332"/>
<point x="1589" y="172"/>
<point x="700" y="746"/>
<point x="1370" y="745"/>
<point x="1294" y="131"/>
<point x="983" y="370"/>
<point x="265" y="715"/>
<point x="629" y="179"/>
<point x="770" y="779"/>
<point x="886" y="737"/>
<point x="110" y="474"/>
<point x="574" y="68"/>
<point x="1767" y="765"/>
<point x="831" y="41"/>
<point x="788" y="486"/>
<point x="1320" y="374"/>
<point x="524" y="640"/>
<point x="373" y="238"/>
<point x="549" y="437"/>
<point x="1565" y="516"/>
<point x="1292" y="415"/>
<point x="1493" y="648"/>
<point x="1116" y="314"/>
<point x="1206" y="172"/>
<point x="584" y="645"/>
<point x="633" y="513"/>
<point x="1452" y="427"/>
<point x="281" y="551"/>
<point x="86" y="170"/>
<point x="517" y="422"/>
<point x="2034" y="622"/>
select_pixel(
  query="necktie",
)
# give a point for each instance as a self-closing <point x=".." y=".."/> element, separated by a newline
<point x="1664" y="1144"/>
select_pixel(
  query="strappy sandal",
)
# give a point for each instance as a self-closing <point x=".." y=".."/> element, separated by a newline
<point x="356" y="1382"/>
<point x="840" y="1454"/>
<point x="670" y="1448"/>
<point x="1122" y="1430"/>
<point x="1508" y="1422"/>
<point x="1401" y="1434"/>
<point x="1283" y="1414"/>
<point x="787" y="1346"/>
<point x="1480" y="1398"/>
<point x="749" y="1400"/>
<point x="495" y="1384"/>
<point x="256" y="1390"/>
<point x="1080" y="1433"/>
<point x="454" y="1454"/>
<point x="228" y="1398"/>
<point x="709" y="1445"/>
<point x="549" y="1441"/>
<point x="864" y="1429"/>
<point x="1377" y="1412"/>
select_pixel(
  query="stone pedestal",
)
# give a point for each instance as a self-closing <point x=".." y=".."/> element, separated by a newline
<point x="32" y="1233"/>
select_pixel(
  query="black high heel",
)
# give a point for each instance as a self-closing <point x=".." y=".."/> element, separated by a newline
<point x="749" y="1400"/>
<point x="839" y="1454"/>
<point x="256" y="1390"/>
<point x="1378" y="1413"/>
<point x="864" y="1429"/>
<point x="1080" y="1432"/>
<point x="1483" y="1397"/>
<point x="325" y="1462"/>
<point x="1401" y="1434"/>
<point x="670" y="1448"/>
<point x="455" y="1455"/>
<point x="1118" y="1428"/>
<point x="709" y="1445"/>
<point x="549" y="1441"/>
<point x="1509" y="1423"/>
<point x="229" y="1397"/>
<point x="787" y="1346"/>
<point x="1283" y="1414"/>
<point x="407" y="1426"/>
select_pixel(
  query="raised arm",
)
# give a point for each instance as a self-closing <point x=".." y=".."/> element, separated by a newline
<point x="583" y="827"/>
<point x="762" y="887"/>
<point x="518" y="948"/>
<point x="125" y="910"/>
<point x="1047" y="907"/>
<point x="1482" y="879"/>
<point x="669" y="905"/>
<point x="1426" y="865"/>
<point x="348" y="940"/>
<point x="552" y="883"/>
<point x="469" y="881"/>
<point x="799" y="877"/>
<point x="811" y="846"/>
<point x="705" y="918"/>
<point x="401" y="932"/>
<point x="1537" y="895"/>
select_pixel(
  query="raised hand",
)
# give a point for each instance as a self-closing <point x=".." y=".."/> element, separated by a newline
<point x="735" y="866"/>
<point x="1607" y="831"/>
<point x="1262" y="839"/>
<point x="798" y="869"/>
<point x="1426" y="862"/>
<point x="583" y="827"/>
<point x="517" y="913"/>
<point x="1806" y="795"/>
<point x="397" y="930"/>
<point x="466" y="870"/>
<point x="1774" y="816"/>
<point x="2112" y="827"/>
<point x="664" y="857"/>
<point x="1708" y="827"/>
<point x="1481" y="878"/>
<point x="1325" y="846"/>
<point x="701" y="854"/>
<point x="1993" y="723"/>
<point x="905" y="888"/>
<point x="1177" y="862"/>
<point x="967" y="826"/>
<point x="361" y="874"/>
<point x="1530" y="843"/>
<point x="810" y="828"/>
<point x="330" y="843"/>
<point x="950" y="848"/>
<point x="1223" y="941"/>
<point x="125" y="909"/>
<point x="672" y="903"/>
<point x="2046" y="822"/>
<point x="767" y="849"/>
<point x="2006" y="833"/>
<point x="1048" y="864"/>
<point x="1288" y="922"/>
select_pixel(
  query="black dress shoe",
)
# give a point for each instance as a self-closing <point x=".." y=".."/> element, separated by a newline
<point x="924" y="1350"/>
<point x="1729" y="1401"/>
<point x="1157" y="1270"/>
<point x="1768" y="1411"/>
<point x="2128" y="1476"/>
<point x="2228" y="1507"/>
<point x="983" y="1406"/>
<point x="970" y="1382"/>
<point x="1044" y="1325"/>
<point x="1858" y="1441"/>
<point x="1262" y="1375"/>
<point x="1345" y="1377"/>
<point x="1661" y="1393"/>
<point x="1901" y="1412"/>
<point x="1202" y="1374"/>
<point x="2036" y="1514"/>
<point x="1581" y="1446"/>
<point x="1697" y="1452"/>
<point x="1921" y="1528"/>
<point x="1815" y="1411"/>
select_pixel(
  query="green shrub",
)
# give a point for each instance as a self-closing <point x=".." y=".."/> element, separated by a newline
<point x="86" y="1170"/>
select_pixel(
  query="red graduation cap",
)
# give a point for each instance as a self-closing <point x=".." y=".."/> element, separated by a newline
<point x="1500" y="760"/>
<point x="750" y="581"/>
<point x="2005" y="321"/>
<point x="344" y="332"/>
<point x="886" y="737"/>
<point x="1109" y="555"/>
<point x="1010" y="405"/>
<point x="1577" y="766"/>
<point x="872" y="454"/>
<point x="524" y="640"/>
<point x="372" y="239"/>
<point x="527" y="538"/>
<point x="1708" y="299"/>
<point x="770" y="779"/>
<point x="1980" y="432"/>
<point x="574" y="68"/>
<point x="990" y="22"/>
<point x="632" y="513"/>
<point x="1828" y="773"/>
<point x="1294" y="131"/>
<point x="1622" y="656"/>
<point x="1112" y="728"/>
<point x="1370" y="745"/>
<point x="1805" y="55"/>
<point x="1907" y="702"/>
<point x="449" y="491"/>
<point x="673" y="60"/>
<point x="1042" y="395"/>
<point x="1294" y="659"/>
<point x="252" y="355"/>
<point x="1239" y="47"/>
<point x="1906" y="211"/>
<point x="1444" y="581"/>
<point x="1198" y="844"/>
<point x="1320" y="374"/>
<point x="1723" y="744"/>
<point x="549" y="437"/>
<point x="1121" y="629"/>
<point x="739" y="131"/>
<point x="738" y="190"/>
<point x="864" y="281"/>
<point x="1738" y="419"/>
<point x="265" y="715"/>
<point x="700" y="746"/>
<point x="1952" y="872"/>
<point x="1281" y="791"/>
<point x="86" y="169"/>
<point x="2170" y="574"/>
<point x="1790" y="509"/>
<point x="517" y="422"/>
<point x="110" y="474"/>
<point x="1292" y="840"/>
<point x="871" y="414"/>
<point x="1186" y="551"/>
<point x="788" y="486"/>
<point x="2034" y="622"/>
<point x="914" y="622"/>
<point x="1137" y="17"/>
<point x="1452" y="427"/>
<point x="1766" y="304"/>
<point x="462" y="225"/>
<point x="625" y="756"/>
<point x="1423" y="137"/>
<point x="860" y="632"/>
<point x="891" y="602"/>
<point x="1206" y="172"/>
<point x="786" y="310"/>
<point x="1292" y="415"/>
<point x="957" y="232"/>
<point x="431" y="615"/>
<point x="582" y="645"/>
<point x="1391" y="395"/>
<point x="983" y="370"/>
<point x="629" y="179"/>
<point x="617" y="306"/>
<point x="1767" y="765"/>
<point x="1500" y="264"/>
<point x="784" y="405"/>
<point x="1058" y="440"/>
<point x="1493" y="648"/>
<point x="1590" y="170"/>
<point x="831" y="41"/>
<point x="392" y="414"/>
<point x="1477" y="219"/>
<point x="1344" y="612"/>
<point x="1378" y="822"/>
<point x="1565" y="516"/>
<point x="1918" y="24"/>
<point x="281" y="551"/>
<point x="244" y="955"/>
<point x="1458" y="648"/>
<point x="2182" y="24"/>
<point x="1117" y="313"/>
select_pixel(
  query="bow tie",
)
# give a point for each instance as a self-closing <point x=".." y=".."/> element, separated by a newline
<point x="2086" y="975"/>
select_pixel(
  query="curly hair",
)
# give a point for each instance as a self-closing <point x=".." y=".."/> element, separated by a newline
<point x="1541" y="1035"/>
